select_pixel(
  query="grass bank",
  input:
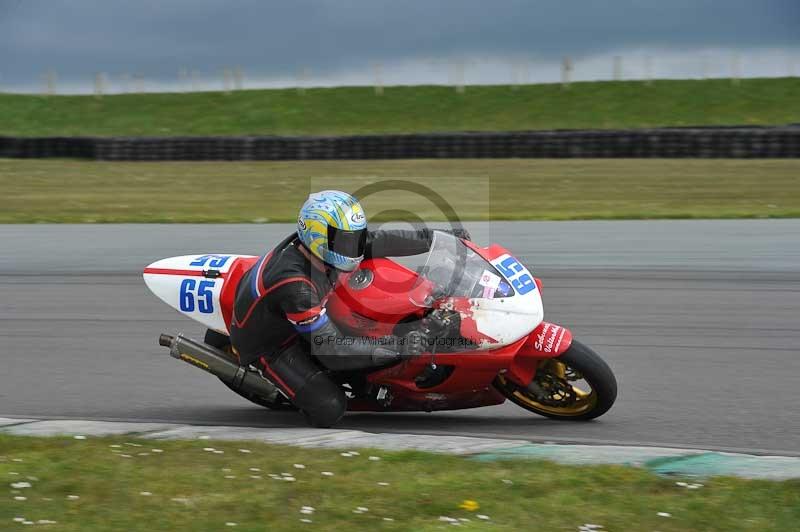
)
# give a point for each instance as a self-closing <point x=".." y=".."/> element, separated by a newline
<point x="513" y="189"/>
<point x="357" y="110"/>
<point x="100" y="484"/>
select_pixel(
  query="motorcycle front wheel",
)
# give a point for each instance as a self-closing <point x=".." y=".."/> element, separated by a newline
<point x="576" y="386"/>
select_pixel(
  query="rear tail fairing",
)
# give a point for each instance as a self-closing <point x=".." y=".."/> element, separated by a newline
<point x="201" y="287"/>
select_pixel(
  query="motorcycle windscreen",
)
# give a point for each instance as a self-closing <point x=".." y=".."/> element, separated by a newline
<point x="454" y="270"/>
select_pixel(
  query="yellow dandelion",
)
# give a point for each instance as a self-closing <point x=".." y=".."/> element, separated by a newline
<point x="469" y="505"/>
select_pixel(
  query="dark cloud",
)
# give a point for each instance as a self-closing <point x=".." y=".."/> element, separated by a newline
<point x="275" y="38"/>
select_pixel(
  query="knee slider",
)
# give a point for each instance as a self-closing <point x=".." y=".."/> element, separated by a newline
<point x="322" y="400"/>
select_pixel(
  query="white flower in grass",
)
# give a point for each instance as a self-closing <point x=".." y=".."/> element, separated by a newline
<point x="156" y="450"/>
<point x="326" y="474"/>
<point x="145" y="493"/>
<point x="226" y="469"/>
<point x="218" y="452"/>
<point x="115" y="446"/>
<point x="354" y="453"/>
<point x="245" y="451"/>
<point x="73" y="497"/>
<point x="203" y="437"/>
<point x="125" y="455"/>
<point x="20" y="485"/>
<point x="13" y="473"/>
<point x="299" y="466"/>
<point x="230" y="476"/>
<point x="209" y="449"/>
<point x="255" y="469"/>
<point x="304" y="520"/>
<point x="482" y="516"/>
<point x="231" y="523"/>
<point x="289" y="479"/>
<point x="46" y="522"/>
<point x="19" y="519"/>
<point x="448" y="519"/>
<point x="664" y="514"/>
<point x="388" y="519"/>
<point x="143" y="454"/>
<point x="181" y="500"/>
<point x="27" y="522"/>
<point x="307" y="508"/>
<point x="307" y="512"/>
<point x="346" y="455"/>
<point x="133" y="444"/>
<point x="362" y="509"/>
<point x="79" y="437"/>
<point x="506" y="481"/>
<point x="20" y="498"/>
<point x="17" y="460"/>
<point x="374" y="458"/>
<point x="255" y="477"/>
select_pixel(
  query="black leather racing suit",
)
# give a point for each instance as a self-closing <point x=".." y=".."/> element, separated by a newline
<point x="279" y="321"/>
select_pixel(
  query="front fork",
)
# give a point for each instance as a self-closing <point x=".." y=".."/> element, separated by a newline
<point x="547" y="341"/>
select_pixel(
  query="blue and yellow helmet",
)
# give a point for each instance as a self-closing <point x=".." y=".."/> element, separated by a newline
<point x="333" y="226"/>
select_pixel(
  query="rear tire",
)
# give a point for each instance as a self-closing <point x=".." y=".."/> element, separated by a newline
<point x="578" y="360"/>
<point x="277" y="402"/>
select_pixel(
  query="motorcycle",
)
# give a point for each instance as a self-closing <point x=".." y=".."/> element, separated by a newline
<point x="479" y="309"/>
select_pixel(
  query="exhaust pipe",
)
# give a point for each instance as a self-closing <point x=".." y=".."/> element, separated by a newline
<point x="217" y="363"/>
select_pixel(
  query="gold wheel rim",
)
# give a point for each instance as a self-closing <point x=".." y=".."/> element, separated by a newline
<point x="585" y="400"/>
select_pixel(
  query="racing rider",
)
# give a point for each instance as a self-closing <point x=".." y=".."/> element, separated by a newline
<point x="279" y="321"/>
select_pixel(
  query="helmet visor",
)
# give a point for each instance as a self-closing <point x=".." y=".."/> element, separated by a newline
<point x="349" y="244"/>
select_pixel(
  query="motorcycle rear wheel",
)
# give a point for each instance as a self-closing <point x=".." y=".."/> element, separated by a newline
<point x="552" y="393"/>
<point x="276" y="402"/>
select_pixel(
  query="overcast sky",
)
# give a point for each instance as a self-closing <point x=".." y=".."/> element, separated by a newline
<point x="414" y="41"/>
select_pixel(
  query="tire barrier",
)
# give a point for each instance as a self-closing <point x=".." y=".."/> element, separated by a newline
<point x="716" y="142"/>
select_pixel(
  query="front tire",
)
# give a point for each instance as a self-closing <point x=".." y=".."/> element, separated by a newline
<point x="557" y="390"/>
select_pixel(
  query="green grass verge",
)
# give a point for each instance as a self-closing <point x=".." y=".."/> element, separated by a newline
<point x="193" y="489"/>
<point x="524" y="189"/>
<point x="356" y="110"/>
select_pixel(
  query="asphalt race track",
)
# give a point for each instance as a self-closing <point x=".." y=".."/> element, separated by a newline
<point x="700" y="320"/>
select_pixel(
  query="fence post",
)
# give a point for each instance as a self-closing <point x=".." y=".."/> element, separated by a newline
<point x="183" y="79"/>
<point x="226" y="80"/>
<point x="50" y="79"/>
<point x="377" y="69"/>
<point x="459" y="76"/>
<point x="138" y="82"/>
<point x="302" y="78"/>
<point x="99" y="85"/>
<point x="648" y="71"/>
<point x="566" y="72"/>
<point x="238" y="81"/>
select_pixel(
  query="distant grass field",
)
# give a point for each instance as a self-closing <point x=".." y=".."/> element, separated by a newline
<point x="124" y="484"/>
<point x="478" y="189"/>
<point x="357" y="110"/>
